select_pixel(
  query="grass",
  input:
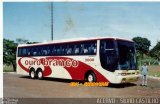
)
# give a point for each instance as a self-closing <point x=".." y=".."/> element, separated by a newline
<point x="154" y="71"/>
<point x="8" y="68"/>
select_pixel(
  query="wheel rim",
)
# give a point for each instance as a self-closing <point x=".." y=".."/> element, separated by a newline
<point x="39" y="74"/>
<point x="90" y="78"/>
<point x="32" y="74"/>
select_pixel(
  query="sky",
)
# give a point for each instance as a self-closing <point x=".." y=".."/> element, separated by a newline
<point x="32" y="20"/>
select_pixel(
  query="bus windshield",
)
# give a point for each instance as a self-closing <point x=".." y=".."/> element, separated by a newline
<point x="117" y="55"/>
<point x="127" y="57"/>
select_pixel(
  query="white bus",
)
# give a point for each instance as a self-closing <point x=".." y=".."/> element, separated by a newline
<point x="110" y="60"/>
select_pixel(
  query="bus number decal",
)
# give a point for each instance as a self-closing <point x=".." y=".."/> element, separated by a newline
<point x="89" y="59"/>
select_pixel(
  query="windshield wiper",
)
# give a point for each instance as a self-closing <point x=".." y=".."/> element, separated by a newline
<point x="109" y="49"/>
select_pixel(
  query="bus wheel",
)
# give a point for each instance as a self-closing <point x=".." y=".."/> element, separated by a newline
<point x="40" y="74"/>
<point x="91" y="77"/>
<point x="32" y="74"/>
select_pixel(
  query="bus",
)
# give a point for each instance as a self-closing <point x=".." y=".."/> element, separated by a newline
<point x="104" y="59"/>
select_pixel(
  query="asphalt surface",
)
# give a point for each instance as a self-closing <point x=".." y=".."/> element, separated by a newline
<point x="18" y="86"/>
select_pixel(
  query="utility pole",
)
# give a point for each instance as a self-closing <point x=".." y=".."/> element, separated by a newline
<point x="51" y="20"/>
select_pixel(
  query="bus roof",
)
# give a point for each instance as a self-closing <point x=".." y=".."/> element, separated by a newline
<point x="73" y="40"/>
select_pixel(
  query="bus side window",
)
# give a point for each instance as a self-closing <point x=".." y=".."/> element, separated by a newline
<point x="28" y="51"/>
<point x="53" y="50"/>
<point x="38" y="51"/>
<point x="42" y="51"/>
<point x="95" y="48"/>
<point x="88" y="48"/>
<point x="63" y="50"/>
<point x="24" y="52"/>
<point x="48" y="50"/>
<point x="69" y="49"/>
<point x="34" y="51"/>
<point x="19" y="52"/>
<point x="31" y="51"/>
<point x="92" y="49"/>
<point x="85" y="50"/>
<point x="76" y="49"/>
<point x="45" y="52"/>
<point x="82" y="49"/>
<point x="59" y="50"/>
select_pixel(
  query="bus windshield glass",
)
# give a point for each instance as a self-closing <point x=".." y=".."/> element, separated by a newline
<point x="127" y="56"/>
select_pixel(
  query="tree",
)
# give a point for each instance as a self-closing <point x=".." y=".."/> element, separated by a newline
<point x="142" y="47"/>
<point x="155" y="52"/>
<point x="9" y="50"/>
<point x="21" y="41"/>
<point x="9" y="53"/>
<point x="32" y="42"/>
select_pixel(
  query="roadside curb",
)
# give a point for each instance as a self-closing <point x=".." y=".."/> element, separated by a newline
<point x="10" y="72"/>
<point x="158" y="78"/>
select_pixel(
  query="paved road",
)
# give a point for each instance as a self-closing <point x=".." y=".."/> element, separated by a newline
<point x="17" y="86"/>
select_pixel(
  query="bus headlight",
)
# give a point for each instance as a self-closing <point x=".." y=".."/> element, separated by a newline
<point x="122" y="74"/>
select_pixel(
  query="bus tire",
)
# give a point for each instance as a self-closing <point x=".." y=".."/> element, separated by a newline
<point x="32" y="74"/>
<point x="91" y="77"/>
<point x="39" y="74"/>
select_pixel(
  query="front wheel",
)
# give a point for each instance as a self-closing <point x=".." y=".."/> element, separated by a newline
<point x="91" y="77"/>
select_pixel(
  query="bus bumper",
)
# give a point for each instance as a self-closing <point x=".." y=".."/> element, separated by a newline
<point x="127" y="79"/>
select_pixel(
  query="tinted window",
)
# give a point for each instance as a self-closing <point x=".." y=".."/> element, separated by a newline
<point x="127" y="56"/>
<point x="79" y="48"/>
<point x="108" y="55"/>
